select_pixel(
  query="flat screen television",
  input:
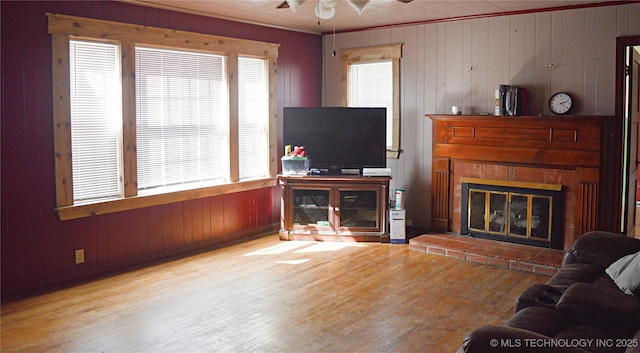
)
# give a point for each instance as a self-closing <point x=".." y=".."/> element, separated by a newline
<point x="338" y="140"/>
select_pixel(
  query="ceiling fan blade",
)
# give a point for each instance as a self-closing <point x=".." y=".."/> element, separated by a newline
<point x="405" y="1"/>
<point x="359" y="5"/>
<point x="291" y="4"/>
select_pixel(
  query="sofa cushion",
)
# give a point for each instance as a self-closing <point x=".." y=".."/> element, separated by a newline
<point x="592" y="339"/>
<point x="490" y="338"/>
<point x="605" y="281"/>
<point x="626" y="273"/>
<point x="576" y="273"/>
<point x="601" y="248"/>
<point x="603" y="308"/>
<point x="542" y="320"/>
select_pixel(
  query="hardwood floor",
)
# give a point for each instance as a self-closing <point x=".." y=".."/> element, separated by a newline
<point x="268" y="295"/>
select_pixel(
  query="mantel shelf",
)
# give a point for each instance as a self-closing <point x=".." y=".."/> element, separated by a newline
<point x="515" y="118"/>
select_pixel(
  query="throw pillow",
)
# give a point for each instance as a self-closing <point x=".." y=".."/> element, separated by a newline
<point x="626" y="273"/>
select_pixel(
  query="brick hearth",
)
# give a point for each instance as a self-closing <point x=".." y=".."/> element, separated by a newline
<point x="490" y="252"/>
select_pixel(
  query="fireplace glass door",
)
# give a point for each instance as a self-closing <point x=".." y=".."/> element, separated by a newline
<point x="515" y="216"/>
<point x="495" y="220"/>
<point x="530" y="216"/>
<point x="510" y="214"/>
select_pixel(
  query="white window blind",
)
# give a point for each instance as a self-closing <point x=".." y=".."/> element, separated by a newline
<point x="371" y="85"/>
<point x="253" y="118"/>
<point x="181" y="119"/>
<point x="96" y="120"/>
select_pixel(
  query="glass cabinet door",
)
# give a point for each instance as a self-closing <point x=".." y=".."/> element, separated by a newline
<point x="358" y="209"/>
<point x="311" y="208"/>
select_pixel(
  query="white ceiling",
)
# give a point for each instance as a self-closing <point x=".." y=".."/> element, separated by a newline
<point x="377" y="13"/>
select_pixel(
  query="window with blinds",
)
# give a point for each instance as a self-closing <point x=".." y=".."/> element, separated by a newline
<point x="182" y="110"/>
<point x="253" y="118"/>
<point x="139" y="123"/>
<point x="371" y="85"/>
<point x="96" y="120"/>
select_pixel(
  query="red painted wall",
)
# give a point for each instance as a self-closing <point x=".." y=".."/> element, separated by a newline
<point x="37" y="248"/>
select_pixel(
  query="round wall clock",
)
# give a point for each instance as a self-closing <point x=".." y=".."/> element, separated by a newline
<point x="560" y="103"/>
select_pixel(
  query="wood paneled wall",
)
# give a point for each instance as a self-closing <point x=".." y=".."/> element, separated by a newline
<point x="37" y="248"/>
<point x="463" y="62"/>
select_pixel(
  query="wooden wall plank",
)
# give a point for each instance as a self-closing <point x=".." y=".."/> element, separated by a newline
<point x="542" y="59"/>
<point x="441" y="62"/>
<point x="430" y="70"/>
<point x="453" y="58"/>
<point x="529" y="61"/>
<point x="634" y="18"/>
<point x="556" y="43"/>
<point x="207" y="230"/>
<point x="605" y="65"/>
<point x="480" y="92"/>
<point x="102" y="242"/>
<point x="517" y="46"/>
<point x="588" y="102"/>
<point x="187" y="221"/>
<point x="197" y="220"/>
<point x="154" y="226"/>
<point x="137" y="236"/>
<point x="573" y="52"/>
<point x="466" y="93"/>
<point x="167" y="238"/>
<point x="498" y="51"/>
<point x="238" y="216"/>
<point x="622" y="22"/>
<point x="177" y="224"/>
<point x="116" y="234"/>
<point x="218" y="209"/>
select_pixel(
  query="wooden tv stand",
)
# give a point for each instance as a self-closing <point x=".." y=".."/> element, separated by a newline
<point x="334" y="208"/>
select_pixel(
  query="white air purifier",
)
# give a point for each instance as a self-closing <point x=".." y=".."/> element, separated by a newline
<point x="397" y="229"/>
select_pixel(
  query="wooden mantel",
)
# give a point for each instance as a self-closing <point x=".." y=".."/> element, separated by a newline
<point x="575" y="152"/>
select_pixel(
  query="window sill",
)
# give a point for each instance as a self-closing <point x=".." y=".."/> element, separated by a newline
<point x="393" y="154"/>
<point x="130" y="203"/>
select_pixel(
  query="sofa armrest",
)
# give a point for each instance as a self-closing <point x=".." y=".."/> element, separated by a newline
<point x="601" y="248"/>
<point x="490" y="339"/>
<point x="605" y="308"/>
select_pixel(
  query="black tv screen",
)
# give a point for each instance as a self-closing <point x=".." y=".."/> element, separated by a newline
<point x="338" y="139"/>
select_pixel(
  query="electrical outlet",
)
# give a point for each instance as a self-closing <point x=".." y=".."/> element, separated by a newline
<point x="79" y="256"/>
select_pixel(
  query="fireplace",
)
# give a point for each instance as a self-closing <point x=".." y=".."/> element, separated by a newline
<point x="576" y="153"/>
<point x="517" y="212"/>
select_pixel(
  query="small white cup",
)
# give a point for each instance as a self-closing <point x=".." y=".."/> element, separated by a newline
<point x="455" y="110"/>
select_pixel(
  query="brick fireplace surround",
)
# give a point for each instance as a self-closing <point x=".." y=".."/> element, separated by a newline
<point x="574" y="152"/>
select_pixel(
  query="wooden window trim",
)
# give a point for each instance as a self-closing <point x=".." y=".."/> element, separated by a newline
<point x="130" y="203"/>
<point x="62" y="28"/>
<point x="391" y="52"/>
